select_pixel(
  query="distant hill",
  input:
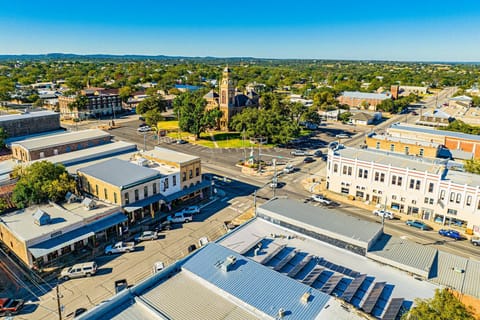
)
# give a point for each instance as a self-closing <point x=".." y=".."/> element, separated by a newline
<point x="72" y="56"/>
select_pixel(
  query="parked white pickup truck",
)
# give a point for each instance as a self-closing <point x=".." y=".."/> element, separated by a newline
<point x="120" y="247"/>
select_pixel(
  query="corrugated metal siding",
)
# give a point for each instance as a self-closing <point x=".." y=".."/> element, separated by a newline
<point x="183" y="298"/>
<point x="472" y="279"/>
<point x="327" y="219"/>
<point x="256" y="285"/>
<point x="451" y="270"/>
<point x="405" y="252"/>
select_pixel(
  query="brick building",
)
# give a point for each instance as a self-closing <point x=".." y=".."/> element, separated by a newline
<point x="41" y="235"/>
<point x="28" y="123"/>
<point x="361" y="99"/>
<point x="460" y="145"/>
<point x="405" y="146"/>
<point x="44" y="147"/>
<point x="100" y="102"/>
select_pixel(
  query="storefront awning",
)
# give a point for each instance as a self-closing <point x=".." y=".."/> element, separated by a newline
<point x="51" y="245"/>
<point x="85" y="232"/>
<point x="108" y="222"/>
<point x="202" y="185"/>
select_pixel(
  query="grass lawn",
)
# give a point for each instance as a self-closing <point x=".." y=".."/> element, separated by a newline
<point x="223" y="139"/>
<point x="168" y="125"/>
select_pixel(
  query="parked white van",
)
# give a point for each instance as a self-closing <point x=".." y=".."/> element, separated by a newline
<point x="79" y="270"/>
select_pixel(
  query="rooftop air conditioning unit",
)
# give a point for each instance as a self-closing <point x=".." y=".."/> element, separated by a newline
<point x="229" y="263"/>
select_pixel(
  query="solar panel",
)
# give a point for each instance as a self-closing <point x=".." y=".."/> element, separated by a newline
<point x="272" y="254"/>
<point x="285" y="260"/>
<point x="299" y="266"/>
<point x="313" y="275"/>
<point x="251" y="246"/>
<point x="353" y="287"/>
<point x="393" y="309"/>
<point x="372" y="298"/>
<point x="330" y="285"/>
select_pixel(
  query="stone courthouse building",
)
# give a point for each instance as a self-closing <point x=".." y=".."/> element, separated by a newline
<point x="229" y="101"/>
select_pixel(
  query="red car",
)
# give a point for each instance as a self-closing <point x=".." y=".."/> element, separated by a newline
<point x="10" y="306"/>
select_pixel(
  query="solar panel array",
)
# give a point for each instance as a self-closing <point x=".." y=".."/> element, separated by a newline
<point x="360" y="290"/>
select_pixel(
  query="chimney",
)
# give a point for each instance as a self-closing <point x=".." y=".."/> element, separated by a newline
<point x="394" y="90"/>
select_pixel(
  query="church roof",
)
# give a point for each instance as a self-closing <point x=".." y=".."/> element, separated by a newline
<point x="252" y="94"/>
<point x="227" y="69"/>
<point x="211" y="95"/>
<point x="242" y="100"/>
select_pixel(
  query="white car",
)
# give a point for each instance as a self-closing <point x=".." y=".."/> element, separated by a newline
<point x="144" y="129"/>
<point x="180" y="217"/>
<point x="384" y="213"/>
<point x="192" y="210"/>
<point x="289" y="168"/>
<point x="321" y="199"/>
<point x="146" y="235"/>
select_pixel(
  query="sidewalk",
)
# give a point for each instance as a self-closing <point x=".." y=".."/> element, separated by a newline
<point x="320" y="187"/>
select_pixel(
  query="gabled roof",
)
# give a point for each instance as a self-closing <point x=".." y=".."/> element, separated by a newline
<point x="437" y="113"/>
<point x="211" y="95"/>
<point x="120" y="173"/>
<point x="362" y="116"/>
<point x="461" y="98"/>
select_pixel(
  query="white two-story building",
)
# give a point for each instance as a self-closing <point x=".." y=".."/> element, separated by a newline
<point x="423" y="188"/>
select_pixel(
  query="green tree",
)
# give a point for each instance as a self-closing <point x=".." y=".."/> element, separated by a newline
<point x="472" y="166"/>
<point x="152" y="103"/>
<point x="192" y="113"/>
<point x="3" y="136"/>
<point x="460" y="126"/>
<point x="80" y="103"/>
<point x="344" y="117"/>
<point x="443" y="306"/>
<point x="125" y="93"/>
<point x="40" y="182"/>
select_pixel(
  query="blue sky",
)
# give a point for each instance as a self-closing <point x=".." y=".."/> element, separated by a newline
<point x="382" y="30"/>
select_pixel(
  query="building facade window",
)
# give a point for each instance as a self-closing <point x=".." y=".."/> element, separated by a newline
<point x="96" y="189"/>
<point x="127" y="198"/>
<point x="417" y="185"/>
<point x="145" y="192"/>
<point x="394" y="180"/>
<point x="335" y="168"/>
<point x="377" y="176"/>
<point x="452" y="212"/>
<point x="344" y="170"/>
<point x="469" y="200"/>
<point x="154" y="188"/>
<point x="349" y="171"/>
<point x="360" y="173"/>
<point x="452" y="196"/>
<point x="407" y="150"/>
<point x="184" y="176"/>
<point x="377" y="146"/>
<point x="137" y="197"/>
<point x="197" y="172"/>
<point x="190" y="174"/>
<point x="105" y="193"/>
<point x="412" y="184"/>
<point x="421" y="152"/>
<point x="399" y="181"/>
<point x="458" y="199"/>
<point x="392" y="147"/>
<point x="115" y="197"/>
<point x="174" y="181"/>
<point x="365" y="174"/>
<point x="430" y="187"/>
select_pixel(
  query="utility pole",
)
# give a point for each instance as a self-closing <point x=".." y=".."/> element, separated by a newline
<point x="144" y="142"/>
<point x="275" y="178"/>
<point x="243" y="145"/>
<point x="59" y="306"/>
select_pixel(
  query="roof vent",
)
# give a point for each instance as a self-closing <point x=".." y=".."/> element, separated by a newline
<point x="281" y="313"/>
<point x="88" y="203"/>
<point x="305" y="297"/>
<point x="41" y="218"/>
<point x="70" y="197"/>
<point x="229" y="263"/>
